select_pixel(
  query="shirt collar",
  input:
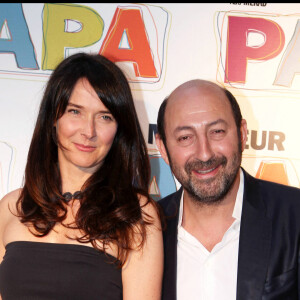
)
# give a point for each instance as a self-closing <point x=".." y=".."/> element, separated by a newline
<point x="237" y="210"/>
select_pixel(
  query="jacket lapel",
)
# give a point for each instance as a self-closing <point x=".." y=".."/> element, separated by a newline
<point x="254" y="244"/>
<point x="170" y="247"/>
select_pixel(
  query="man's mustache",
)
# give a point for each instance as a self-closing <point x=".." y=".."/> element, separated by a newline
<point x="212" y="163"/>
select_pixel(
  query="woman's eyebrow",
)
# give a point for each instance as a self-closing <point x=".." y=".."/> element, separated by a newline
<point x="75" y="105"/>
<point x="80" y="106"/>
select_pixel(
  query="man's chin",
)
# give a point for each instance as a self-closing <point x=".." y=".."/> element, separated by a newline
<point x="207" y="198"/>
<point x="210" y="191"/>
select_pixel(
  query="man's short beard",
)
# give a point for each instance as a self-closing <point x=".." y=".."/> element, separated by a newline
<point x="213" y="190"/>
<point x="224" y="184"/>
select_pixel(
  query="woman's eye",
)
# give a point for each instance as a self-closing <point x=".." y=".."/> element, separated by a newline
<point x="107" y="118"/>
<point x="74" y="111"/>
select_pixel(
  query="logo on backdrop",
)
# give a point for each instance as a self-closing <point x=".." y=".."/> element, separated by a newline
<point x="133" y="36"/>
<point x="258" y="51"/>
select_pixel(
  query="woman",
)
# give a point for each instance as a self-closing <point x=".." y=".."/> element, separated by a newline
<point x="83" y="225"/>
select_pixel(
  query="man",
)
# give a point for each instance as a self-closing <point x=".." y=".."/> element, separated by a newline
<point x="228" y="235"/>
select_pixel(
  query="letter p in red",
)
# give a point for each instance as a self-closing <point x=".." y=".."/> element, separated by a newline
<point x="239" y="51"/>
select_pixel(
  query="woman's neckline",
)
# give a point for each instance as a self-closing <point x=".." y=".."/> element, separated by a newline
<point x="50" y="244"/>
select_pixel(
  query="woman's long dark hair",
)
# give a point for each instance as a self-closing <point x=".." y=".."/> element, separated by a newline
<point x="110" y="210"/>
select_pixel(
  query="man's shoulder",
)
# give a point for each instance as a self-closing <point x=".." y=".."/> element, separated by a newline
<point x="272" y="191"/>
<point x="164" y="201"/>
<point x="280" y="192"/>
<point x="272" y="186"/>
<point x="171" y="202"/>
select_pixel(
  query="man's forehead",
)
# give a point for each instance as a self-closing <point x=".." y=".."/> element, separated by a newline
<point x="198" y="96"/>
<point x="196" y="85"/>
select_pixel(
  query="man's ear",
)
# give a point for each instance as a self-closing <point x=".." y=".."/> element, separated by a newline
<point x="161" y="147"/>
<point x="243" y="130"/>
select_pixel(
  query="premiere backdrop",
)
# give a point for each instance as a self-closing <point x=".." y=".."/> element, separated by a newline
<point x="253" y="49"/>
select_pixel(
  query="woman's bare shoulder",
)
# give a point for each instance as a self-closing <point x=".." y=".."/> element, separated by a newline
<point x="8" y="214"/>
<point x="142" y="273"/>
<point x="8" y="203"/>
<point x="149" y="208"/>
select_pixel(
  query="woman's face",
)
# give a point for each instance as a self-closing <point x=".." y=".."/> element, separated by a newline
<point x="85" y="131"/>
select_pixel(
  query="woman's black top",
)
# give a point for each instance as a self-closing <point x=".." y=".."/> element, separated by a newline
<point x="42" y="271"/>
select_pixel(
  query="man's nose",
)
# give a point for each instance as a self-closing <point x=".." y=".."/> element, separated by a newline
<point x="203" y="149"/>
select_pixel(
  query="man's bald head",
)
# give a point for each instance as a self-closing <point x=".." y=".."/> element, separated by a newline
<point x="202" y="86"/>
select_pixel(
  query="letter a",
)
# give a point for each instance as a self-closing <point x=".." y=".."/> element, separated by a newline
<point x="19" y="42"/>
<point x="129" y="23"/>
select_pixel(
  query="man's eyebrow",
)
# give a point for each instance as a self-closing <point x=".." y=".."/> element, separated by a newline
<point x="182" y="128"/>
<point x="216" y="122"/>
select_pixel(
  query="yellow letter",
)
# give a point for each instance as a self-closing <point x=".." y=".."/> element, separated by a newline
<point x="57" y="35"/>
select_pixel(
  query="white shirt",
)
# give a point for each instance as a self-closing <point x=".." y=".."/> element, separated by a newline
<point x="204" y="275"/>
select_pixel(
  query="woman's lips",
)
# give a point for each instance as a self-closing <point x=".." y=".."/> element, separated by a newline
<point x="84" y="148"/>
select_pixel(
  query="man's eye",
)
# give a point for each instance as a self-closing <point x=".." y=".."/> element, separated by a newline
<point x="219" y="131"/>
<point x="183" y="138"/>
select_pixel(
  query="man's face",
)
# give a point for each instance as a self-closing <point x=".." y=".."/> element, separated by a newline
<point x="202" y="143"/>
